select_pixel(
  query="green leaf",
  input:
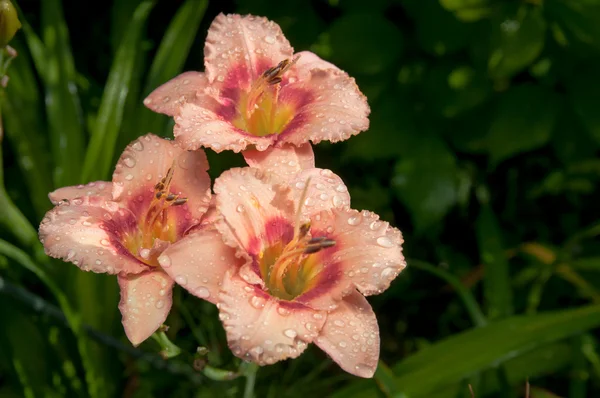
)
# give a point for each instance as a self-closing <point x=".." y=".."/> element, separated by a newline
<point x="465" y="353"/>
<point x="496" y="281"/>
<point x="524" y="119"/>
<point x="100" y="151"/>
<point x="22" y="112"/>
<point x="62" y="102"/>
<point x="570" y="140"/>
<point x="364" y="43"/>
<point x="517" y="39"/>
<point x="586" y="102"/>
<point x="468" y="10"/>
<point x="578" y="20"/>
<point x="426" y="180"/>
<point x="169" y="60"/>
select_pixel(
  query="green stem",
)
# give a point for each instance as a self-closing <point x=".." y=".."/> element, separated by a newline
<point x="250" y="373"/>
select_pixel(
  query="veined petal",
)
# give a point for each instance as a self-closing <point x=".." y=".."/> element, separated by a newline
<point x="368" y="250"/>
<point x="146" y="300"/>
<point x="243" y="42"/>
<point x="100" y="189"/>
<point x="351" y="336"/>
<point x="251" y="203"/>
<point x="197" y="126"/>
<point x="198" y="263"/>
<point x="336" y="111"/>
<point x="286" y="161"/>
<point x="148" y="159"/>
<point x="88" y="235"/>
<point x="261" y="328"/>
<point x="325" y="191"/>
<point x="182" y="89"/>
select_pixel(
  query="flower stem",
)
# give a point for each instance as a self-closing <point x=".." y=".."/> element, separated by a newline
<point x="250" y="373"/>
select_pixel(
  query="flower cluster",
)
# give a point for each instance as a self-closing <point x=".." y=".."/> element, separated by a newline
<point x="275" y="245"/>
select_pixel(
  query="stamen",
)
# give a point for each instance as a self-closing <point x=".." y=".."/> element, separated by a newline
<point x="179" y="201"/>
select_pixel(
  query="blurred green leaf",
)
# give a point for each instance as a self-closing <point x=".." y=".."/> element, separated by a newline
<point x="517" y="39"/>
<point x="468" y="10"/>
<point x="586" y="102"/>
<point x="22" y="111"/>
<point x="496" y="280"/>
<point x="364" y="43"/>
<point x="524" y="119"/>
<point x="426" y="179"/>
<point x="483" y="347"/>
<point x="578" y="20"/>
<point x="62" y="102"/>
<point x="570" y="140"/>
<point x="169" y="60"/>
<point x="99" y="156"/>
<point x="452" y="89"/>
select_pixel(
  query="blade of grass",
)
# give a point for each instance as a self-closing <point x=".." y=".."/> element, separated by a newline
<point x="579" y="371"/>
<point x="25" y="129"/>
<point x="110" y="115"/>
<point x="496" y="281"/>
<point x="169" y="60"/>
<point x="464" y="294"/>
<point x="62" y="101"/>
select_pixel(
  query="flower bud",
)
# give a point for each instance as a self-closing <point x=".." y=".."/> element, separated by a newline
<point x="9" y="22"/>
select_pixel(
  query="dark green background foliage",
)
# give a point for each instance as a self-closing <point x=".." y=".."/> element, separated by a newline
<point x="483" y="150"/>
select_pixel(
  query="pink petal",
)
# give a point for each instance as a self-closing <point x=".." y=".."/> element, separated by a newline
<point x="261" y="328"/>
<point x="182" y="89"/>
<point x="88" y="234"/>
<point x="145" y="303"/>
<point x="100" y="189"/>
<point x="286" y="161"/>
<point x="351" y="336"/>
<point x="369" y="250"/>
<point x="199" y="262"/>
<point x="336" y="110"/>
<point x="326" y="190"/>
<point x="148" y="159"/>
<point x="200" y="126"/>
<point x="250" y="202"/>
<point x="308" y="61"/>
<point x="245" y="42"/>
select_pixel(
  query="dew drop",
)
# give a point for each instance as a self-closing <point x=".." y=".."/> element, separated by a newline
<point x="355" y="220"/>
<point x="105" y="242"/>
<point x="202" y="292"/>
<point x="282" y="311"/>
<point x="257" y="302"/>
<point x="339" y="323"/>
<point x="138" y="146"/>
<point x="341" y="188"/>
<point x="323" y="196"/>
<point x="388" y="273"/>
<point x="164" y="261"/>
<point x="240" y="208"/>
<point x="343" y="344"/>
<point x="291" y="333"/>
<point x="70" y="254"/>
<point x="160" y="304"/>
<point x="316" y="315"/>
<point x="129" y="161"/>
<point x="145" y="253"/>
<point x="181" y="280"/>
<point x="384" y="241"/>
<point x="129" y="177"/>
<point x="269" y="39"/>
<point x="375" y="225"/>
<point x="337" y="201"/>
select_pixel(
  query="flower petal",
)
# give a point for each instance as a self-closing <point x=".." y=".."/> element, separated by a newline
<point x="261" y="328"/>
<point x="308" y="61"/>
<point x="100" y="189"/>
<point x="369" y="250"/>
<point x="286" y="161"/>
<point x="325" y="191"/>
<point x="199" y="262"/>
<point x="245" y="42"/>
<point x="197" y="126"/>
<point x="182" y="89"/>
<point x="148" y="159"/>
<point x="146" y="300"/>
<point x="250" y="201"/>
<point x="86" y="233"/>
<point x="351" y="336"/>
<point x="336" y="111"/>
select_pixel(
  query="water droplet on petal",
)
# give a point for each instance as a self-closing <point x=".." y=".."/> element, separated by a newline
<point x="375" y="225"/>
<point x="164" y="261"/>
<point x="129" y="161"/>
<point x="257" y="302"/>
<point x="343" y="344"/>
<point x="240" y="208"/>
<point x="291" y="333"/>
<point x="138" y="146"/>
<point x="202" y="292"/>
<point x="129" y="177"/>
<point x="388" y="273"/>
<point x="337" y="201"/>
<point x="145" y="253"/>
<point x="339" y="323"/>
<point x="282" y="311"/>
<point x="181" y="280"/>
<point x="384" y="241"/>
<point x="355" y="220"/>
<point x="105" y="242"/>
<point x="160" y="304"/>
<point x="269" y="39"/>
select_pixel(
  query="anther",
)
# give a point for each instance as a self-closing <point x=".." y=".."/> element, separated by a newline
<point x="317" y="244"/>
<point x="304" y="228"/>
<point x="179" y="201"/>
<point x="159" y="194"/>
<point x="170" y="197"/>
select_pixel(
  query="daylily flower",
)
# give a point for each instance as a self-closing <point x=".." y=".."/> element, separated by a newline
<point x="289" y="264"/>
<point x="158" y="192"/>
<point x="256" y="93"/>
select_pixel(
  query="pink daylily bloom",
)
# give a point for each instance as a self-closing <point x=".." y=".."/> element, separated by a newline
<point x="256" y="93"/>
<point x="158" y="192"/>
<point x="292" y="267"/>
